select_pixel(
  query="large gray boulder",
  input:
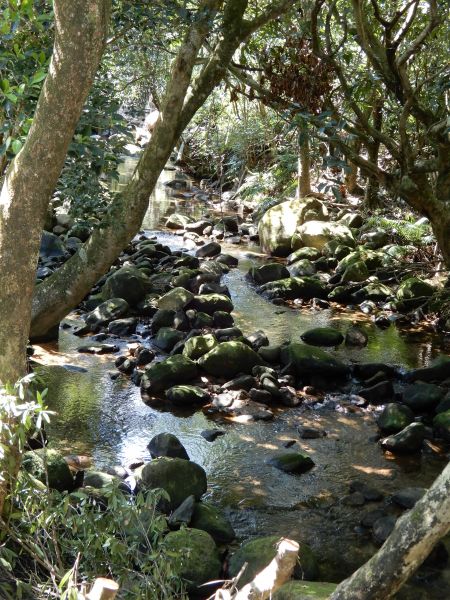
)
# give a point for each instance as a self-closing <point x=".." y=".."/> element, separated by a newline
<point x="316" y="234"/>
<point x="279" y="223"/>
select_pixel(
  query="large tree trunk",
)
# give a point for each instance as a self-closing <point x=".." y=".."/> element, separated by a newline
<point x="80" y="33"/>
<point x="413" y="538"/>
<point x="61" y="292"/>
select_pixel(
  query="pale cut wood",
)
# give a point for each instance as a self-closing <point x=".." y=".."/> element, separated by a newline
<point x="278" y="572"/>
<point x="103" y="589"/>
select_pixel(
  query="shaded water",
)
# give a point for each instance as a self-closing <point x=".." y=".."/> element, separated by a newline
<point x="107" y="420"/>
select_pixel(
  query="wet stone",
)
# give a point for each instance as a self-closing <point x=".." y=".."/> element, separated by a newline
<point x="291" y="462"/>
<point x="211" y="435"/>
<point x="370" y="494"/>
<point x="408" y="497"/>
<point x="368" y="519"/>
<point x="167" y="444"/>
<point x="354" y="499"/>
<point x="99" y="349"/>
<point x="310" y="433"/>
<point x="382" y="529"/>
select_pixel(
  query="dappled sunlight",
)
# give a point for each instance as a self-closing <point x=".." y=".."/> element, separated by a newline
<point x="382" y="472"/>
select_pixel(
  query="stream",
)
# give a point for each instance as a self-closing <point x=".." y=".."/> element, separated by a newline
<point x="107" y="420"/>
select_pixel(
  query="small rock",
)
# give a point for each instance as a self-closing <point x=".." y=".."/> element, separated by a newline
<point x="167" y="444"/>
<point x="310" y="433"/>
<point x="211" y="435"/>
<point x="354" y="499"/>
<point x="407" y="497"/>
<point x="382" y="529"/>
<point x="291" y="462"/>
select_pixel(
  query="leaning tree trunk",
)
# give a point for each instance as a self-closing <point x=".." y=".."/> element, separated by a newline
<point x="57" y="295"/>
<point x="80" y="33"/>
<point x="413" y="538"/>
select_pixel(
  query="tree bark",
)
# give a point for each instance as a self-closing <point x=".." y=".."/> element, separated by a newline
<point x="413" y="538"/>
<point x="80" y="32"/>
<point x="59" y="293"/>
<point x="304" y="166"/>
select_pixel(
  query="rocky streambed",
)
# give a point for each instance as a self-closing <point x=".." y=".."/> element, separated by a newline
<point x="295" y="432"/>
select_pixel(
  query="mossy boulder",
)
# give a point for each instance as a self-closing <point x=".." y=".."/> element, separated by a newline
<point x="106" y="312"/>
<point x="211" y="303"/>
<point x="437" y="371"/>
<point x="176" y="299"/>
<point x="413" y="288"/>
<point x="228" y="359"/>
<point x="178" y="477"/>
<point x="304" y="590"/>
<point x="212" y="520"/>
<point x="167" y="337"/>
<point x="167" y="444"/>
<point x="394" y="417"/>
<point x="307" y="360"/>
<point x="128" y="283"/>
<point x="295" y="287"/>
<point x="193" y="556"/>
<point x="198" y="345"/>
<point x="291" y="462"/>
<point x="187" y="395"/>
<point x="260" y="552"/>
<point x="409" y="439"/>
<point x="441" y="423"/>
<point x="423" y="396"/>
<point x="373" y="291"/>
<point x="316" y="234"/>
<point x="268" y="272"/>
<point x="356" y="271"/>
<point x="322" y="336"/>
<point x="98" y="479"/>
<point x="302" y="268"/>
<point x="38" y="462"/>
<point x="302" y="253"/>
<point x="279" y="223"/>
<point x="174" y="370"/>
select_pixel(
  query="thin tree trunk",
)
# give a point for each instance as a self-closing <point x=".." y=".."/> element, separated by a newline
<point x="371" y="196"/>
<point x="413" y="538"/>
<point x="80" y="33"/>
<point x="304" y="166"/>
<point x="351" y="176"/>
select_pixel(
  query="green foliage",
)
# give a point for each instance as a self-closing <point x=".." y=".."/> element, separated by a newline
<point x="54" y="543"/>
<point x="87" y="534"/>
<point x="407" y="229"/>
<point x="26" y="41"/>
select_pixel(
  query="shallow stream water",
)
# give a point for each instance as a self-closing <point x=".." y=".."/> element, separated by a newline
<point x="108" y="421"/>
